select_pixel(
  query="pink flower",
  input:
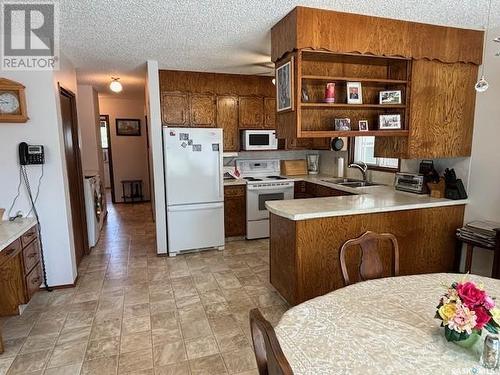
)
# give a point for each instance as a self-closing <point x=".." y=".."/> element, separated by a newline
<point x="470" y="295"/>
<point x="482" y="317"/>
<point x="489" y="303"/>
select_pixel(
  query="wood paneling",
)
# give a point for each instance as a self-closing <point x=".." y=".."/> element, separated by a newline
<point x="251" y="112"/>
<point x="175" y="109"/>
<point x="269" y="113"/>
<point x="202" y="110"/>
<point x="216" y="83"/>
<point x="235" y="211"/>
<point x="332" y="31"/>
<point x="305" y="259"/>
<point x="227" y="119"/>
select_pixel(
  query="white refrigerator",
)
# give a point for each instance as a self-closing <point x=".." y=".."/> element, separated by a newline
<point x="194" y="188"/>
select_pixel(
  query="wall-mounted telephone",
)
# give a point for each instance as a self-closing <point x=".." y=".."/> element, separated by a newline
<point x="31" y="154"/>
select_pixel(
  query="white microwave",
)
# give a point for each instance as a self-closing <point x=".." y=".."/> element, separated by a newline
<point x="254" y="140"/>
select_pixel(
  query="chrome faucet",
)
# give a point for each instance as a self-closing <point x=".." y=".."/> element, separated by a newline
<point x="361" y="166"/>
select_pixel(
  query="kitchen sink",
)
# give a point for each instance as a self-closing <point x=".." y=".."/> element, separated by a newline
<point x="340" y="181"/>
<point x="350" y="182"/>
<point x="356" y="184"/>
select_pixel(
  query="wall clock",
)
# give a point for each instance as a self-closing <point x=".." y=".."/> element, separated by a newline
<point x="12" y="101"/>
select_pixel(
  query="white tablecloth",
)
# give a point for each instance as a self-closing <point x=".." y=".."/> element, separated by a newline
<point x="383" y="326"/>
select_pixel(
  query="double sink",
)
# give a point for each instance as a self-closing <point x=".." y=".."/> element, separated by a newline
<point x="349" y="182"/>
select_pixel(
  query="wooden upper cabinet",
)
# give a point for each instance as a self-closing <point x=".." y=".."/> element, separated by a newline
<point x="251" y="111"/>
<point x="175" y="109"/>
<point x="269" y="113"/>
<point x="227" y="119"/>
<point x="442" y="109"/>
<point x="202" y="108"/>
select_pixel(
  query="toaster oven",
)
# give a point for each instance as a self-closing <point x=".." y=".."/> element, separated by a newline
<point x="410" y="182"/>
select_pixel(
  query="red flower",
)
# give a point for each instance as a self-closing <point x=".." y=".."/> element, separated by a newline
<point x="470" y="295"/>
<point x="482" y="317"/>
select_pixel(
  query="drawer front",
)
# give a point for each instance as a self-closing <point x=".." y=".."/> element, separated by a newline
<point x="29" y="236"/>
<point x="34" y="280"/>
<point x="31" y="256"/>
<point x="10" y="251"/>
<point x="234" y="191"/>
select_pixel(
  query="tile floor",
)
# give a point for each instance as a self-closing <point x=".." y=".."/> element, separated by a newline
<point x="133" y="312"/>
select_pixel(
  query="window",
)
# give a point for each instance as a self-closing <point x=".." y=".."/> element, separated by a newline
<point x="363" y="149"/>
<point x="104" y="131"/>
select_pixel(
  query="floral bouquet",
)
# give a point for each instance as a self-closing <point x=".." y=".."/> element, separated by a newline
<point x="465" y="310"/>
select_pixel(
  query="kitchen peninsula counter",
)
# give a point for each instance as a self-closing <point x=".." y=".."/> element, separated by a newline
<point x="307" y="234"/>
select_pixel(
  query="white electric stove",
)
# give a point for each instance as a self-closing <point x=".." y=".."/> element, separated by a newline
<point x="264" y="183"/>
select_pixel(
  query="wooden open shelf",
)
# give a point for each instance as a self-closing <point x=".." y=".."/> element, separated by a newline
<point x="353" y="106"/>
<point x="355" y="79"/>
<point x="353" y="133"/>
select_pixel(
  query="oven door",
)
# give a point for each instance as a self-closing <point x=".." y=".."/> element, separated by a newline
<point x="258" y="196"/>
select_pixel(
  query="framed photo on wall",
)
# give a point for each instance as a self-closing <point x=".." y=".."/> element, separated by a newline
<point x="354" y="93"/>
<point x="128" y="127"/>
<point x="284" y="86"/>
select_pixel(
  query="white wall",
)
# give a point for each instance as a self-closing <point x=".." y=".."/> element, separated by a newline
<point x="484" y="186"/>
<point x="156" y="142"/>
<point x="43" y="127"/>
<point x="130" y="154"/>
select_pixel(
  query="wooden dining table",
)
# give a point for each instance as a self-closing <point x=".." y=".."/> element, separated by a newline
<point x="383" y="326"/>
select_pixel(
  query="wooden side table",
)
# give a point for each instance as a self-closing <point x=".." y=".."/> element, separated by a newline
<point x="495" y="272"/>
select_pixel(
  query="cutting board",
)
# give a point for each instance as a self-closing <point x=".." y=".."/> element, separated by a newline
<point x="293" y="167"/>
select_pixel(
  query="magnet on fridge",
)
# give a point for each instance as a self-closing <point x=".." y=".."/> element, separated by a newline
<point x="215" y="147"/>
<point x="196" y="147"/>
<point x="184" y="144"/>
<point x="183" y="137"/>
<point x="172" y="133"/>
<point x="190" y="142"/>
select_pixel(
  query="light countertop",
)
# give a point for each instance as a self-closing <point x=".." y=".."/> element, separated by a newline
<point x="12" y="230"/>
<point x="370" y="199"/>
<point x="234" y="182"/>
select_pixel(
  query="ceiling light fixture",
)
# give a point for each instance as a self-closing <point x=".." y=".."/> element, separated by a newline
<point x="115" y="85"/>
<point x="482" y="85"/>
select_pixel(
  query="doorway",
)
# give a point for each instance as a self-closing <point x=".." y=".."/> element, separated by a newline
<point x="107" y="156"/>
<point x="74" y="172"/>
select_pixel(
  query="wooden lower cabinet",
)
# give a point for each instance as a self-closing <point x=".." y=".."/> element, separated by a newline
<point x="235" y="221"/>
<point x="20" y="272"/>
<point x="305" y="254"/>
<point x="305" y="189"/>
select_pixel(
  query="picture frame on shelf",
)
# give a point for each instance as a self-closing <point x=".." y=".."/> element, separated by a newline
<point x="354" y="93"/>
<point x="363" y="125"/>
<point x="342" y="124"/>
<point x="128" y="127"/>
<point x="390" y="97"/>
<point x="284" y="86"/>
<point x="389" y="122"/>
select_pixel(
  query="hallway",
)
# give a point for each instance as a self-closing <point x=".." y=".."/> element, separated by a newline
<point x="136" y="313"/>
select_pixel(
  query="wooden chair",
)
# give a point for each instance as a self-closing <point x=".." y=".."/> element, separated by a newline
<point x="268" y="353"/>
<point x="370" y="266"/>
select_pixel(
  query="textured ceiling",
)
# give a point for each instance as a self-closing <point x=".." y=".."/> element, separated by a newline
<point x="115" y="37"/>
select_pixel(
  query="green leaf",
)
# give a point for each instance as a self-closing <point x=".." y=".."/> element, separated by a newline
<point x="490" y="328"/>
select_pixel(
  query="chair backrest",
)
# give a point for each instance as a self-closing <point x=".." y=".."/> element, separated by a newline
<point x="268" y="353"/>
<point x="371" y="266"/>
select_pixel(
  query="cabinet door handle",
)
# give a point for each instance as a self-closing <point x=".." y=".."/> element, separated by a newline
<point x="35" y="281"/>
<point x="32" y="255"/>
<point x="10" y="251"/>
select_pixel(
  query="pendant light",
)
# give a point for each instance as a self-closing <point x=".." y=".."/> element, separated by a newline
<point x="115" y="85"/>
<point x="482" y="85"/>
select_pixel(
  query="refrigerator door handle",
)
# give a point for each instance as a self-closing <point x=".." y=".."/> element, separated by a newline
<point x="195" y="207"/>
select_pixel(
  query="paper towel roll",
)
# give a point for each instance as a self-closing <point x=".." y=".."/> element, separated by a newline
<point x="340" y="167"/>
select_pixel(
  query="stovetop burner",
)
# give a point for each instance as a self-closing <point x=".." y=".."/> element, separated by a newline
<point x="252" y="179"/>
<point x="276" y="177"/>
